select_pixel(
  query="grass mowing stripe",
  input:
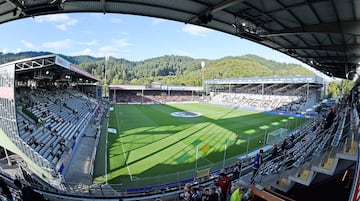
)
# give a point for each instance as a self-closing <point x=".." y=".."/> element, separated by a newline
<point x="122" y="147"/>
<point x="188" y="146"/>
<point x="163" y="154"/>
<point x="157" y="143"/>
<point x="160" y="145"/>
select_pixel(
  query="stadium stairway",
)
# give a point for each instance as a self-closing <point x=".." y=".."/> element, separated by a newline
<point x="330" y="163"/>
<point x="322" y="155"/>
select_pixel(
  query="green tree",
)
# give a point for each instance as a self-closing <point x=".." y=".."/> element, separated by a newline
<point x="175" y="70"/>
<point x="333" y="89"/>
<point x="346" y="86"/>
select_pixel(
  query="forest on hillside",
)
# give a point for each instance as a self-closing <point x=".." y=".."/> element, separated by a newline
<point x="172" y="69"/>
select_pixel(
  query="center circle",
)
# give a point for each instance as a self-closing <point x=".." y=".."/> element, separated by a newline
<point x="185" y="114"/>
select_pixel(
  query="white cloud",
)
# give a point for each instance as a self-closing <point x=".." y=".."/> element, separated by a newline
<point x="157" y="21"/>
<point x="195" y="30"/>
<point x="122" y="42"/>
<point x="108" y="51"/>
<point x="62" y="21"/>
<point x="112" y="51"/>
<point x="27" y="44"/>
<point x="89" y="43"/>
<point x="67" y="43"/>
<point x="180" y="52"/>
<point x="64" y="26"/>
<point x="86" y="51"/>
<point x="52" y="18"/>
<point x="5" y="51"/>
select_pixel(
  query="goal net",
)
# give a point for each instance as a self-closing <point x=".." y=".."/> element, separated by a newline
<point x="276" y="136"/>
<point x="203" y="173"/>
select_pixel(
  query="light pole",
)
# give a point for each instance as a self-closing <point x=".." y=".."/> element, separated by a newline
<point x="202" y="75"/>
<point x="104" y="71"/>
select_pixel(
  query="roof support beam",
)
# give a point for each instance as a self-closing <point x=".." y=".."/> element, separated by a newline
<point x="350" y="27"/>
<point x="213" y="9"/>
<point x="103" y="4"/>
<point x="292" y="6"/>
<point x="224" y="4"/>
<point x="346" y="59"/>
<point x="295" y="17"/>
<point x="15" y="3"/>
<point x="350" y="49"/>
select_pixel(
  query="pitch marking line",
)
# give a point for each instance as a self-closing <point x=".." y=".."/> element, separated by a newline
<point x="122" y="146"/>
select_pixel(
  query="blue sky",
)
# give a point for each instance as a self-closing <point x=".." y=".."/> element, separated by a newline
<point x="124" y="36"/>
<point x="130" y="37"/>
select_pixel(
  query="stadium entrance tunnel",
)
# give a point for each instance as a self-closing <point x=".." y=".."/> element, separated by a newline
<point x="185" y="114"/>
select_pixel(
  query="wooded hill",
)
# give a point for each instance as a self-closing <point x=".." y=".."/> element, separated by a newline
<point x="173" y="70"/>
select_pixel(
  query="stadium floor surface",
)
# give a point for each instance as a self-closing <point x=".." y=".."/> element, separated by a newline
<point x="149" y="141"/>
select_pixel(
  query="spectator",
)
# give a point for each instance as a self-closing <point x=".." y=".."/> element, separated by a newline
<point x="186" y="195"/>
<point x="289" y="144"/>
<point x="238" y="193"/>
<point x="5" y="190"/>
<point x="289" y="160"/>
<point x="225" y="184"/>
<point x="283" y="145"/>
<point x="274" y="152"/>
<point x="214" y="194"/>
<point x="27" y="193"/>
<point x="236" y="171"/>
<point x="195" y="194"/>
<point x="257" y="163"/>
<point x="207" y="196"/>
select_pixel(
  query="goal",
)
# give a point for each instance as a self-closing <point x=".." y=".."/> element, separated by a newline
<point x="276" y="136"/>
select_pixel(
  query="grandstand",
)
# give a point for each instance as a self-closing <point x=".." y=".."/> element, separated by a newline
<point x="143" y="94"/>
<point x="47" y="104"/>
<point x="291" y="95"/>
<point x="323" y="148"/>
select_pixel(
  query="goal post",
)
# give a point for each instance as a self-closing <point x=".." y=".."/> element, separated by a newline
<point x="276" y="136"/>
<point x="202" y="173"/>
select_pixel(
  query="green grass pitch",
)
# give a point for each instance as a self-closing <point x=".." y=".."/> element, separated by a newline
<point x="151" y="142"/>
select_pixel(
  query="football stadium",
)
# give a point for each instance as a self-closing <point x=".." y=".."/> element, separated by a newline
<point x="66" y="136"/>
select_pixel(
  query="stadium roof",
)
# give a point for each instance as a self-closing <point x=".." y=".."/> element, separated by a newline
<point x="322" y="33"/>
<point x="45" y="67"/>
<point x="162" y="87"/>
<point x="268" y="80"/>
